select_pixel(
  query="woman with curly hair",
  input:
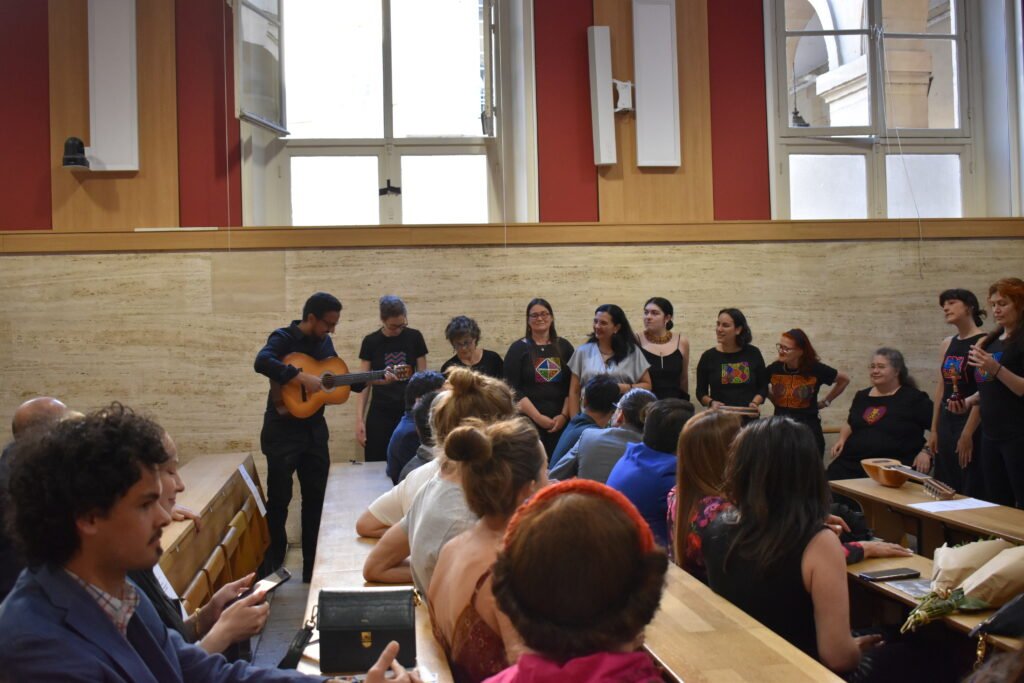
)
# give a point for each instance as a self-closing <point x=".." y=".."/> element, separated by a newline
<point x="583" y="621"/>
<point x="463" y="334"/>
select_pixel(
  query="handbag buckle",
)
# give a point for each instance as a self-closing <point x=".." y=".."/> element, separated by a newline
<point x="367" y="639"/>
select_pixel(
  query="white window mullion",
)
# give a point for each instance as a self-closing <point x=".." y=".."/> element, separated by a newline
<point x="389" y="111"/>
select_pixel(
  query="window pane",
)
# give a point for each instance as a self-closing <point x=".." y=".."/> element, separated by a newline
<point x="841" y="15"/>
<point x="934" y="16"/>
<point x="335" y="191"/>
<point x="261" y="63"/>
<point x="268" y="7"/>
<point x="921" y="84"/>
<point x="437" y="68"/>
<point x="828" y="186"/>
<point x="444" y="189"/>
<point x="830" y="87"/>
<point x="923" y="184"/>
<point x="334" y="69"/>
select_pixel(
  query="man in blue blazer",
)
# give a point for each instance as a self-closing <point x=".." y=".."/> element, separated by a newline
<point x="85" y="501"/>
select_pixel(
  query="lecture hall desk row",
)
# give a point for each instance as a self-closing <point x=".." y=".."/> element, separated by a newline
<point x="888" y="512"/>
<point x="696" y="636"/>
<point x="215" y="490"/>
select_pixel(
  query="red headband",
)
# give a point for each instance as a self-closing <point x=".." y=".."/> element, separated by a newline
<point x="586" y="487"/>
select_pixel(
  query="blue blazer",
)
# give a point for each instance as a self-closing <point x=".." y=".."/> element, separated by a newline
<point x="51" y="629"/>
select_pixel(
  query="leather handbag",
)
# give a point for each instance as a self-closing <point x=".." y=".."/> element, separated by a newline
<point x="1007" y="621"/>
<point x="357" y="624"/>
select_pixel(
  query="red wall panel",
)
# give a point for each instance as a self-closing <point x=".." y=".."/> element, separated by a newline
<point x="567" y="183"/>
<point x="739" y="124"/>
<point x="25" y="116"/>
<point x="209" y="147"/>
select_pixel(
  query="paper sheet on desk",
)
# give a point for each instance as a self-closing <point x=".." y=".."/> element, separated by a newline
<point x="952" y="505"/>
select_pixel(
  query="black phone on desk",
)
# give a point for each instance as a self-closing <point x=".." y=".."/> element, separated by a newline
<point x="890" y="574"/>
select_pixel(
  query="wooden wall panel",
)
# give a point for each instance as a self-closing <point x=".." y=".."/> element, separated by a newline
<point x="88" y="201"/>
<point x="628" y="194"/>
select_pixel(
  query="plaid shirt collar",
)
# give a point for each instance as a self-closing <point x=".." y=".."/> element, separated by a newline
<point x="119" y="609"/>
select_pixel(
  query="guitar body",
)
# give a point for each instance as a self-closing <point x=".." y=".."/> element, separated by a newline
<point x="894" y="474"/>
<point x="296" y="401"/>
<point x="335" y="379"/>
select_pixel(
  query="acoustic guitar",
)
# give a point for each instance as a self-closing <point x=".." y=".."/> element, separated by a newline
<point x="893" y="473"/>
<point x="293" y="399"/>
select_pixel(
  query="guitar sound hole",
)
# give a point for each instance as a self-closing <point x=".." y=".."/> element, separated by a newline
<point x="327" y="381"/>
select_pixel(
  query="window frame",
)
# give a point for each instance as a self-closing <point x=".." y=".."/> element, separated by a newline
<point x="875" y="140"/>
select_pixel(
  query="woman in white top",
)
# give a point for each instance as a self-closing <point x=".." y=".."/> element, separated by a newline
<point x="612" y="350"/>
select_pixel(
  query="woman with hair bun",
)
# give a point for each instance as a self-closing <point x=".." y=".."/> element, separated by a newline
<point x="438" y="511"/>
<point x="886" y="420"/>
<point x="583" y="621"/>
<point x="502" y="464"/>
<point x="668" y="352"/>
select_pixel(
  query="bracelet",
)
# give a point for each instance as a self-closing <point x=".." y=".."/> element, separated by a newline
<point x="997" y="371"/>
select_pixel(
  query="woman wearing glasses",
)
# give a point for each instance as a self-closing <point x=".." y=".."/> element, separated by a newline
<point x="395" y="343"/>
<point x="795" y="378"/>
<point x="537" y="368"/>
<point x="464" y="335"/>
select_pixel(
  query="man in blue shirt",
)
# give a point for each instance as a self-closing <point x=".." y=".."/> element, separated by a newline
<point x="405" y="440"/>
<point x="647" y="470"/>
<point x="599" y="396"/>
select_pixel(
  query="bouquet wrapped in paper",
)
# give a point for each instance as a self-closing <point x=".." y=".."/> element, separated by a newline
<point x="952" y="566"/>
<point x="992" y="585"/>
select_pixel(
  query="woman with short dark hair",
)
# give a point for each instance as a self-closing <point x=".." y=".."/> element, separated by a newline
<point x="732" y="373"/>
<point x="395" y="343"/>
<point x="582" y="626"/>
<point x="463" y="334"/>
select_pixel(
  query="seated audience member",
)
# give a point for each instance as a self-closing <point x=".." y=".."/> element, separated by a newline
<point x="772" y="555"/>
<point x="35" y="412"/>
<point x="704" y="448"/>
<point x="421" y="417"/>
<point x="86" y="510"/>
<point x="502" y="464"/>
<point x="647" y="470"/>
<point x="611" y="349"/>
<point x="597" y="450"/>
<point x="408" y="550"/>
<point x="582" y="621"/>
<point x="599" y="397"/>
<point x="215" y="626"/>
<point x="886" y="420"/>
<point x="404" y="440"/>
<point x="463" y="334"/>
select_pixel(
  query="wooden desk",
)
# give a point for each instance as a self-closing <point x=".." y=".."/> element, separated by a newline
<point x="888" y="512"/>
<point x="215" y="491"/>
<point x="962" y="622"/>
<point x="699" y="637"/>
<point x="340" y="553"/>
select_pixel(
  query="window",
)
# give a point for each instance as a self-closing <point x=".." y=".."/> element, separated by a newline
<point x="258" y="90"/>
<point x="872" y="113"/>
<point x="390" y="111"/>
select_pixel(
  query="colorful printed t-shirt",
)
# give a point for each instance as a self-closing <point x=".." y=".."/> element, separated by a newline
<point x="796" y="393"/>
<point x="732" y="378"/>
<point x="1002" y="411"/>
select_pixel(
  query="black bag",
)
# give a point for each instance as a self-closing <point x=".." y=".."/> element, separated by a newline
<point x="1007" y="621"/>
<point x="356" y="625"/>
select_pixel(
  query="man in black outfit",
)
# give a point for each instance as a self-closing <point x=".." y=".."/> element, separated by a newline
<point x="296" y="445"/>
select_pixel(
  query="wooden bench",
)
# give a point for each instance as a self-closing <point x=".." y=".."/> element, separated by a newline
<point x="962" y="622"/>
<point x="888" y="512"/>
<point x="700" y="636"/>
<point x="340" y="553"/>
<point x="216" y="491"/>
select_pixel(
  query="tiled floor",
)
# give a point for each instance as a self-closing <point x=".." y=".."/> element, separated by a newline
<point x="287" y="608"/>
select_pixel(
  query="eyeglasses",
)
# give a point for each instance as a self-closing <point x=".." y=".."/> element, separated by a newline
<point x="784" y="349"/>
<point x="396" y="328"/>
<point x="539" y="316"/>
<point x="464" y="344"/>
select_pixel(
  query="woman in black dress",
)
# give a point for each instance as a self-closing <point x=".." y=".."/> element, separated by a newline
<point x="668" y="352"/>
<point x="537" y="368"/>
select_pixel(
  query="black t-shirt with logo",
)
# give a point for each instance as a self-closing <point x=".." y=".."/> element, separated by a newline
<point x="382" y="351"/>
<point x="732" y="378"/>
<point x="954" y="365"/>
<point x="795" y="393"/>
<point x="540" y="372"/>
<point x="888" y="426"/>
<point x="1002" y="411"/>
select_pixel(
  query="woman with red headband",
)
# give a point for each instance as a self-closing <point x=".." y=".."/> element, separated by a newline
<point x="583" y="621"/>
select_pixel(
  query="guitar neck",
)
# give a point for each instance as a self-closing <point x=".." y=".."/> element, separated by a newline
<point x="356" y="378"/>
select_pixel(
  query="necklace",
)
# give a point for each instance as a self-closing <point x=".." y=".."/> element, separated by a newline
<point x="794" y="371"/>
<point x="654" y="339"/>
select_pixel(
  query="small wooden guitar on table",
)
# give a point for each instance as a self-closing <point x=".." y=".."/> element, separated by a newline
<point x="893" y="473"/>
<point x="293" y="399"/>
